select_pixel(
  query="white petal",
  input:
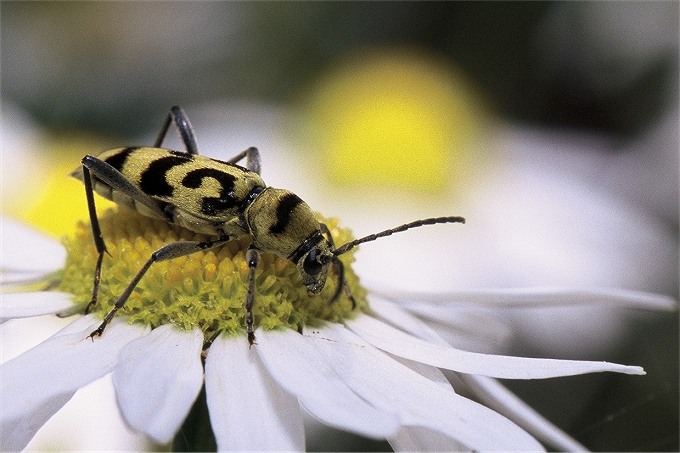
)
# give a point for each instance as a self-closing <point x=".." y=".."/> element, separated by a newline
<point x="89" y="422"/>
<point x="17" y="431"/>
<point x="9" y="278"/>
<point x="434" y="374"/>
<point x="502" y="400"/>
<point x="37" y="383"/>
<point x="491" y="392"/>
<point x="415" y="438"/>
<point x="248" y="410"/>
<point x="404" y="345"/>
<point x="157" y="379"/>
<point x="415" y="399"/>
<point x="394" y="314"/>
<point x="464" y="328"/>
<point x="477" y="327"/>
<point x="26" y="305"/>
<point x="406" y="321"/>
<point x="297" y="366"/>
<point x="542" y="297"/>
<point x="412" y="438"/>
<point x="23" y="248"/>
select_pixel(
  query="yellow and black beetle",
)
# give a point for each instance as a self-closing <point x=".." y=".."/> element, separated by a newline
<point x="219" y="198"/>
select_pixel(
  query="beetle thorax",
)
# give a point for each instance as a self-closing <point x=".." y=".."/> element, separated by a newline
<point x="279" y="221"/>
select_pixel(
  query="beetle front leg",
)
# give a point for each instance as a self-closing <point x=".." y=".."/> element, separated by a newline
<point x="339" y="269"/>
<point x="98" y="238"/>
<point x="252" y="258"/>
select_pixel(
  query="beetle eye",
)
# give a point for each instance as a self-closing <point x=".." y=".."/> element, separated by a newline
<point x="311" y="265"/>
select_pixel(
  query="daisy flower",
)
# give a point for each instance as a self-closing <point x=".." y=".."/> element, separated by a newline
<point x="178" y="353"/>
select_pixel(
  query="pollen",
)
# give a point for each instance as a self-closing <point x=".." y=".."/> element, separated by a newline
<point x="206" y="289"/>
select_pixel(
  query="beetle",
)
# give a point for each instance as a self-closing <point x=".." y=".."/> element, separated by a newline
<point x="220" y="198"/>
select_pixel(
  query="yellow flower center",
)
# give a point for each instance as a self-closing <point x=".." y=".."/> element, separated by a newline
<point x="206" y="289"/>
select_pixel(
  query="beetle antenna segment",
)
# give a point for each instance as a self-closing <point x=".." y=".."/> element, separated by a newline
<point x="418" y="223"/>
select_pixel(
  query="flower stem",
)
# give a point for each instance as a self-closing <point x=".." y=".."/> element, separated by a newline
<point x="196" y="434"/>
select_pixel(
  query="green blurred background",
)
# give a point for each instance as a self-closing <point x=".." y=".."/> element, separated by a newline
<point x="110" y="66"/>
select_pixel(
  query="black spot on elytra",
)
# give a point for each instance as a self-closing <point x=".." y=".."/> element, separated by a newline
<point x="284" y="210"/>
<point x="213" y="205"/>
<point x="153" y="180"/>
<point x="118" y="160"/>
<point x="194" y="178"/>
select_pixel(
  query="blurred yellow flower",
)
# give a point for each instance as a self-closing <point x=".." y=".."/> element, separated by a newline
<point x="394" y="119"/>
<point x="55" y="201"/>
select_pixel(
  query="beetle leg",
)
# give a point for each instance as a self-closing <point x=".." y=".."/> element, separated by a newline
<point x="167" y="252"/>
<point x="252" y="156"/>
<point x="115" y="179"/>
<point x="186" y="131"/>
<point x="339" y="269"/>
<point x="98" y="238"/>
<point x="252" y="258"/>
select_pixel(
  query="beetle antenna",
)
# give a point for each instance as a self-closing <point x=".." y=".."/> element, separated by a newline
<point x="372" y="237"/>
